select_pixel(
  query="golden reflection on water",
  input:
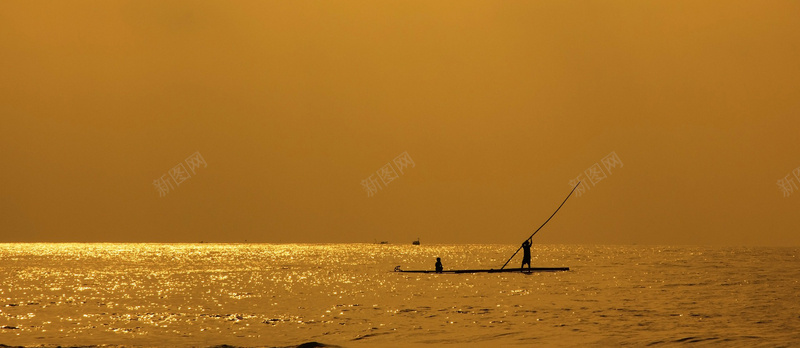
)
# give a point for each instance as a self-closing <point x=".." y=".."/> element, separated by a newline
<point x="260" y="294"/>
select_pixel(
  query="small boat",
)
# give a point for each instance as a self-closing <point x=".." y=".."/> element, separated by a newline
<point x="526" y="245"/>
<point x="491" y="270"/>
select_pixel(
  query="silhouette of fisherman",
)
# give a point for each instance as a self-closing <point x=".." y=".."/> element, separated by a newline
<point x="526" y="253"/>
<point x="439" y="267"/>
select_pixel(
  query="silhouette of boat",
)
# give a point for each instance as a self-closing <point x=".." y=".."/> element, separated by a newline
<point x="504" y="270"/>
<point x="416" y="242"/>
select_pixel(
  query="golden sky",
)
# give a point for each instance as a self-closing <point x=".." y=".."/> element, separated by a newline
<point x="499" y="104"/>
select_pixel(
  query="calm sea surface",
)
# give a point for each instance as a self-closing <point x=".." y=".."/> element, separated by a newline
<point x="347" y="294"/>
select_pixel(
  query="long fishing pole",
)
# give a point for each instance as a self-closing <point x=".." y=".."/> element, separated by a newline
<point x="545" y="223"/>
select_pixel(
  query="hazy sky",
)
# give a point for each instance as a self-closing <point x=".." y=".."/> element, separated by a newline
<point x="498" y="103"/>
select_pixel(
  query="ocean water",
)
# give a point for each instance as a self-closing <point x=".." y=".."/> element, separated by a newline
<point x="346" y="294"/>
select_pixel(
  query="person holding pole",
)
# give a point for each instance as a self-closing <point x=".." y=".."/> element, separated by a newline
<point x="526" y="253"/>
<point x="528" y="241"/>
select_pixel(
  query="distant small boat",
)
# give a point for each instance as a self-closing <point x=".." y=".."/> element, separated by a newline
<point x="504" y="270"/>
<point x="416" y="242"/>
<point x="384" y="242"/>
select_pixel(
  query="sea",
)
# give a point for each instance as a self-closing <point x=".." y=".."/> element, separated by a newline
<point x="348" y="295"/>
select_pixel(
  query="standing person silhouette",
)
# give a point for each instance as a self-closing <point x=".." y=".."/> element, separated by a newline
<point x="526" y="253"/>
<point x="439" y="267"/>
